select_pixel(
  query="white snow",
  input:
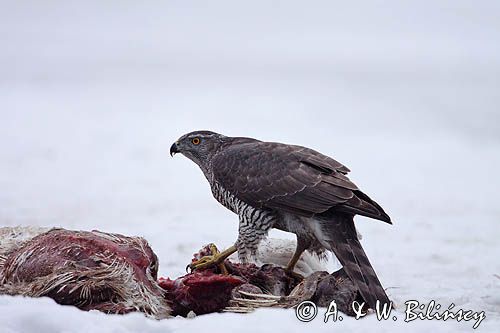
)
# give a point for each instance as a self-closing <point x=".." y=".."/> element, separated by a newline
<point x="406" y="95"/>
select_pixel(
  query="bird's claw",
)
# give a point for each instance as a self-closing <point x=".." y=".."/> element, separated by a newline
<point x="203" y="262"/>
<point x="209" y="261"/>
<point x="295" y="275"/>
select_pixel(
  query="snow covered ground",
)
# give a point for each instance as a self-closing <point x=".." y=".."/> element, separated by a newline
<point x="406" y="95"/>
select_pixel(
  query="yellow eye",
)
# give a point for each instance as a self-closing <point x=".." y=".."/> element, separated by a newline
<point x="195" y="141"/>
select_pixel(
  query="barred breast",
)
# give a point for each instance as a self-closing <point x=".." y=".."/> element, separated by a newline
<point x="254" y="222"/>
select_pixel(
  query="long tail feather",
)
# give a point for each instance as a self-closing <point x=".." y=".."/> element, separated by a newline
<point x="344" y="243"/>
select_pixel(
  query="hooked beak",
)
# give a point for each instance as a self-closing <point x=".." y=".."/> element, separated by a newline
<point x="174" y="149"/>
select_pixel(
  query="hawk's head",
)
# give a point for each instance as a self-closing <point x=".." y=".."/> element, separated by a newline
<point x="198" y="146"/>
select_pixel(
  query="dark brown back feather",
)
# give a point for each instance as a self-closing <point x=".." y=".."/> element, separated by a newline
<point x="290" y="178"/>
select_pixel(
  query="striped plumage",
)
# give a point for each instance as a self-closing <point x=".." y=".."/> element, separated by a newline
<point x="291" y="188"/>
<point x="254" y="223"/>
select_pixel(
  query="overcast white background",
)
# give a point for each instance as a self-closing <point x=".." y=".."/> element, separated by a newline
<point x="406" y="94"/>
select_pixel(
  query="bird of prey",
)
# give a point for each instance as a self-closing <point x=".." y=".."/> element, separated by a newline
<point x="290" y="188"/>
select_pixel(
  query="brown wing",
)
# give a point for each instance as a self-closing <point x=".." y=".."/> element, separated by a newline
<point x="290" y="178"/>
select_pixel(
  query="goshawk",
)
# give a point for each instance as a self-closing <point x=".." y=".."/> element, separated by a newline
<point x="290" y="188"/>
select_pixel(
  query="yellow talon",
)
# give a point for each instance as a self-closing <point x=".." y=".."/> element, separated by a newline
<point x="215" y="259"/>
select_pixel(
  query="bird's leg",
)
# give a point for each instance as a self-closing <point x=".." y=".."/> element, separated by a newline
<point x="301" y="247"/>
<point x="217" y="258"/>
<point x="293" y="261"/>
<point x="216" y="251"/>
